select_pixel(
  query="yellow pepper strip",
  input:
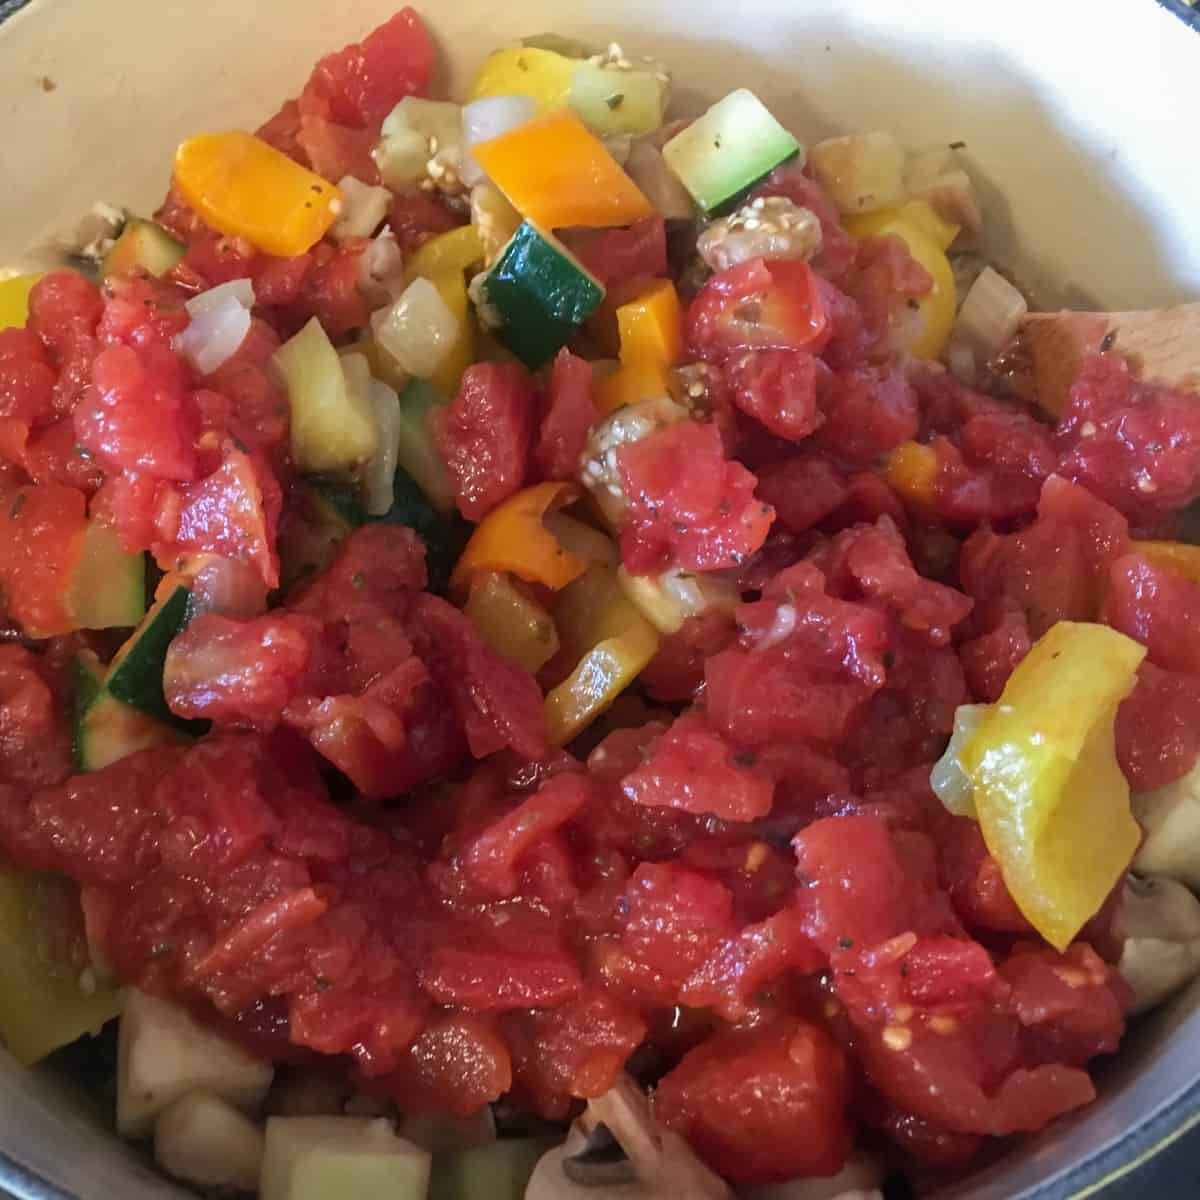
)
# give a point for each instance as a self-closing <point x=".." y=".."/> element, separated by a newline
<point x="614" y="641"/>
<point x="938" y="307"/>
<point x="452" y="288"/>
<point x="513" y="538"/>
<point x="14" y="300"/>
<point x="911" y="471"/>
<point x="584" y="541"/>
<point x="1052" y="802"/>
<point x="243" y="187"/>
<point x="458" y="250"/>
<point x="511" y="621"/>
<point x="524" y="71"/>
<point x="45" y="1002"/>
<point x="650" y="327"/>
<point x="923" y="215"/>
<point x="557" y="173"/>
<point x="1179" y="558"/>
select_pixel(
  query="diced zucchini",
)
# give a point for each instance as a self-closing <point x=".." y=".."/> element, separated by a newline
<point x="164" y="1054"/>
<point x="499" y="1170"/>
<point x="108" y="590"/>
<point x="135" y="675"/>
<point x="108" y="729"/>
<point x="418" y="455"/>
<point x="143" y="246"/>
<point x="412" y="133"/>
<point x="613" y="99"/>
<point x="46" y="1001"/>
<point x="333" y="428"/>
<point x="204" y="1141"/>
<point x="313" y="526"/>
<point x="328" y="1158"/>
<point x="441" y="1132"/>
<point x="721" y="155"/>
<point x="444" y="535"/>
<point x="538" y="293"/>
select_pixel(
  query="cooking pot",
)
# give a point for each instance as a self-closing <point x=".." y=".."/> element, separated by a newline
<point x="1079" y="129"/>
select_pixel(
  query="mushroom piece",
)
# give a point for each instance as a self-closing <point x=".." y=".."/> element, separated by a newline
<point x="618" y="1151"/>
<point x="860" y="1179"/>
<point x="1159" y="922"/>
<point x="1170" y="819"/>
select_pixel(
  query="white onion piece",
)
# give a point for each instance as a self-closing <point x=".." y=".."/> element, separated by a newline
<point x="960" y="358"/>
<point x="214" y="335"/>
<point x="364" y="209"/>
<point x="489" y="118"/>
<point x="241" y="290"/>
<point x="379" y="473"/>
<point x="990" y="315"/>
<point x="418" y="331"/>
<point x="381" y="269"/>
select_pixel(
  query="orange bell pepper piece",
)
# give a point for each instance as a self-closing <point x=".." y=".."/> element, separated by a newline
<point x="650" y="327"/>
<point x="556" y="173"/>
<point x="631" y="383"/>
<point x="911" y="471"/>
<point x="243" y="187"/>
<point x="514" y="538"/>
<point x="1179" y="558"/>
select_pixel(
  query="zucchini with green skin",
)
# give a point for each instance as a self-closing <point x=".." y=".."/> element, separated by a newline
<point x="444" y="535"/>
<point x="499" y="1170"/>
<point x="721" y="155"/>
<point x="536" y="295"/>
<point x="108" y="590"/>
<point x="143" y="246"/>
<point x="108" y="729"/>
<point x="417" y="454"/>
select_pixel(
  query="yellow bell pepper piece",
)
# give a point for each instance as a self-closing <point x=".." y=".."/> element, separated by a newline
<point x="243" y="187"/>
<point x="46" y="1001"/>
<point x="511" y="621"/>
<point x="650" y="328"/>
<point x="14" y="300"/>
<point x="543" y="75"/>
<point x="458" y="250"/>
<point x="920" y="213"/>
<point x="514" y="538"/>
<point x="911" y="471"/>
<point x="453" y="290"/>
<point x="938" y="307"/>
<point x="1180" y="558"/>
<point x="557" y="173"/>
<point x="614" y="641"/>
<point x="1052" y="802"/>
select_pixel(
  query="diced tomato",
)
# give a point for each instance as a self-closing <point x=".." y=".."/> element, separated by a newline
<point x="991" y="658"/>
<point x="41" y="540"/>
<point x="1158" y="728"/>
<point x="1158" y="609"/>
<point x="498" y="979"/>
<point x="778" y="388"/>
<point x="569" y="417"/>
<point x="756" y="305"/>
<point x="973" y="878"/>
<point x="485" y="435"/>
<point x="416" y="216"/>
<point x="867" y="412"/>
<point x="138" y="415"/>
<point x="360" y="85"/>
<point x="281" y="132"/>
<point x="52" y="455"/>
<point x="689" y="505"/>
<point x="141" y="311"/>
<point x="803" y="490"/>
<point x="35" y="739"/>
<point x="676" y="672"/>
<point x="766" y="1104"/>
<point x="837" y="247"/>
<point x="64" y="310"/>
<point x="692" y="768"/>
<point x="614" y="255"/>
<point x="26" y="378"/>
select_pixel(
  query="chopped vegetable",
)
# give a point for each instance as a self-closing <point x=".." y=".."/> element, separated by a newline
<point x="613" y="642"/>
<point x="1052" y="801"/>
<point x="1158" y="922"/>
<point x="537" y="293"/>
<point x="499" y="1170"/>
<point x="911" y="470"/>
<point x="108" y="729"/>
<point x="948" y="780"/>
<point x="650" y="329"/>
<point x="143" y="246"/>
<point x="444" y="533"/>
<point x="166" y="1054"/>
<point x="543" y="75"/>
<point x="511" y="621"/>
<point x="48" y="995"/>
<point x="215" y="333"/>
<point x="1180" y="558"/>
<point x="243" y="187"/>
<point x="417" y="454"/>
<point x="657" y="182"/>
<point x="364" y="209"/>
<point x="413" y="133"/>
<point x="206" y="1142"/>
<point x="937" y="177"/>
<point x="769" y="227"/>
<point x="379" y="471"/>
<point x="513" y="537"/>
<point x="493" y="218"/>
<point x="109" y="587"/>
<point x="990" y="315"/>
<point x="862" y="172"/>
<point x="614" y="99"/>
<point x="584" y="541"/>
<point x="723" y="153"/>
<point x="557" y="173"/>
<point x="332" y="425"/>
<point x="459" y="251"/>
<point x="489" y="118"/>
<point x="1170" y="820"/>
<point x="936" y="309"/>
<point x="669" y="599"/>
<point x="319" y="1158"/>
<point x="419" y="331"/>
<point x="14" y="300"/>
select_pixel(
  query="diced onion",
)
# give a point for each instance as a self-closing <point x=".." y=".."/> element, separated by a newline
<point x="381" y="269"/>
<point x="379" y="473"/>
<point x="214" y="335"/>
<point x="960" y="358"/>
<point x="486" y="119"/>
<point x="241" y="290"/>
<point x="364" y="209"/>
<point x="990" y="315"/>
<point x="419" y="330"/>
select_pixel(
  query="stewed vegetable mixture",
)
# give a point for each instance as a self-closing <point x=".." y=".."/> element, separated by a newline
<point x="538" y="613"/>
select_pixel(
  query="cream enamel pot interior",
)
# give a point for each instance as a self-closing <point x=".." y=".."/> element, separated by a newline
<point x="1079" y="126"/>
